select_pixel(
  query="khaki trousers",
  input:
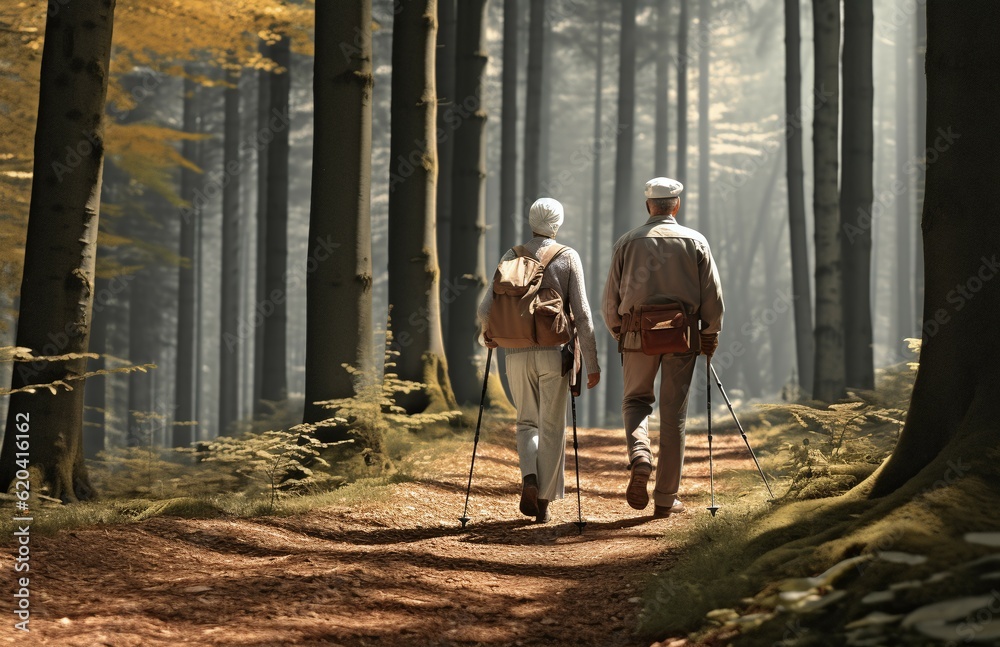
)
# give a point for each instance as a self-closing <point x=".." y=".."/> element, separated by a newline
<point x="676" y="372"/>
<point x="540" y="392"/>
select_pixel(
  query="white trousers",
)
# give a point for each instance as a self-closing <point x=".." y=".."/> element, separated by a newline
<point x="540" y="392"/>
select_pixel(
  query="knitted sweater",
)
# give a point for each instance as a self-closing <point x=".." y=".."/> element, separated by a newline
<point x="564" y="274"/>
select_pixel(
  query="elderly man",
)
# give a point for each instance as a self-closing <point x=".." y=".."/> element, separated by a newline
<point x="660" y="262"/>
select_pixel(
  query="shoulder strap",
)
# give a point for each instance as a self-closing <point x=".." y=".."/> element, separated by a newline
<point x="549" y="254"/>
<point x="521" y="250"/>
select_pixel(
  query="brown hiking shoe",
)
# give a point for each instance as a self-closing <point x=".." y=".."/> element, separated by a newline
<point x="544" y="516"/>
<point x="529" y="496"/>
<point x="635" y="493"/>
<point x="664" y="511"/>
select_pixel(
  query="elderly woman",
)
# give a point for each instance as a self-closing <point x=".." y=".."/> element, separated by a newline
<point x="535" y="373"/>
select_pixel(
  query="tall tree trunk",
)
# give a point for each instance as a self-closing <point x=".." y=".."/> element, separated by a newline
<point x="95" y="392"/>
<point x="919" y="62"/>
<point x="229" y="344"/>
<point x="445" y="82"/>
<point x="624" y="218"/>
<point x="509" y="211"/>
<point x="263" y="115"/>
<point x="274" y="305"/>
<point x="801" y="290"/>
<point x="414" y="291"/>
<point x="904" y="320"/>
<point x="468" y="199"/>
<point x="704" y="133"/>
<point x="141" y="350"/>
<point x="856" y="220"/>
<point x="185" y="413"/>
<point x="683" y="24"/>
<point x="952" y="416"/>
<point x="828" y="381"/>
<point x="662" y="143"/>
<point x="545" y="114"/>
<point x="598" y="243"/>
<point x="339" y="289"/>
<point x="533" y="109"/>
<point x="57" y="287"/>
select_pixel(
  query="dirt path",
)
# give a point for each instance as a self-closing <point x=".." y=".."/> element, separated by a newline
<point x="393" y="572"/>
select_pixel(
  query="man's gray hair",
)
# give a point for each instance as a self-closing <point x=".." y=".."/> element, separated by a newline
<point x="664" y="204"/>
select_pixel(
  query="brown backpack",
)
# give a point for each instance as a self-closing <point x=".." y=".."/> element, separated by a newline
<point x="523" y="313"/>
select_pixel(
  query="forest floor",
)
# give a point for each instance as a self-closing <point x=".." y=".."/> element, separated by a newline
<point x="397" y="570"/>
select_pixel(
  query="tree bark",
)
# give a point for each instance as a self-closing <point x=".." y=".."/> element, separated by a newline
<point x="185" y="374"/>
<point x="598" y="243"/>
<point x="263" y="114"/>
<point x="57" y="287"/>
<point x="445" y="82"/>
<point x="624" y="218"/>
<point x="273" y="307"/>
<point x="339" y="289"/>
<point x="856" y="220"/>
<point x="904" y="325"/>
<point x="662" y="143"/>
<point x="920" y="122"/>
<point x="229" y="344"/>
<point x="682" y="91"/>
<point x="704" y="126"/>
<point x="533" y="110"/>
<point x="468" y="199"/>
<point x="414" y="282"/>
<point x="829" y="376"/>
<point x="95" y="390"/>
<point x="952" y="416"/>
<point x="801" y="290"/>
<point x="509" y="211"/>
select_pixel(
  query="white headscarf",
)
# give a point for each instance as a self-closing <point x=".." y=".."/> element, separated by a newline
<point x="545" y="216"/>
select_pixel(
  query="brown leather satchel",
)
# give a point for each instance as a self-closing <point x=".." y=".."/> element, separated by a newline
<point x="523" y="313"/>
<point x="666" y="328"/>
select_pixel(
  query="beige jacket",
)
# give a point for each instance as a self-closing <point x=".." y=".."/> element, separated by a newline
<point x="658" y="261"/>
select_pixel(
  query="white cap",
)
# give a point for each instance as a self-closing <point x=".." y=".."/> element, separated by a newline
<point x="663" y="187"/>
<point x="545" y="216"/>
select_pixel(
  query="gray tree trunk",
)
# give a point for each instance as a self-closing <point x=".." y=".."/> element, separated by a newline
<point x="450" y="106"/>
<point x="828" y="381"/>
<point x="920" y="122"/>
<point x="533" y="109"/>
<point x="704" y="127"/>
<point x="683" y="24"/>
<point x="624" y="217"/>
<point x="801" y="289"/>
<point x="263" y="114"/>
<point x="57" y="287"/>
<point x="598" y="243"/>
<point x="414" y="284"/>
<point x="904" y="324"/>
<point x="273" y="307"/>
<point x="95" y="392"/>
<point x="510" y="213"/>
<point x="662" y="143"/>
<point x="856" y="223"/>
<point x="952" y="416"/>
<point x="229" y="346"/>
<point x="339" y="289"/>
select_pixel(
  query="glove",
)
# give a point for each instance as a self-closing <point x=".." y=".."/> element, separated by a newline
<point x="709" y="342"/>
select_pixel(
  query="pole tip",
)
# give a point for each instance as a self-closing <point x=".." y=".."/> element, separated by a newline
<point x="713" y="509"/>
<point x="580" y="525"/>
<point x="464" y="520"/>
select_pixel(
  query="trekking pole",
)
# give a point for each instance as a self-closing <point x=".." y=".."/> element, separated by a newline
<point x="475" y="443"/>
<point x="576" y="454"/>
<point x="742" y="433"/>
<point x="711" y="462"/>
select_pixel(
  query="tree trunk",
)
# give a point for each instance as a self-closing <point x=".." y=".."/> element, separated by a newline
<point x="624" y="218"/>
<point x="339" y="289"/>
<point x="95" y="391"/>
<point x="185" y="413"/>
<point x="274" y="306"/>
<point x="704" y="134"/>
<point x="468" y="199"/>
<point x="904" y="320"/>
<point x="414" y="292"/>
<point x="919" y="62"/>
<point x="263" y="115"/>
<point x="682" y="91"/>
<point x="801" y="290"/>
<point x="509" y="211"/>
<point x="662" y="142"/>
<point x="545" y="113"/>
<point x="828" y="379"/>
<point x="533" y="110"/>
<point x="952" y="416"/>
<point x="856" y="220"/>
<point x="598" y="242"/>
<point x="229" y="345"/>
<point x="141" y="350"/>
<point x="57" y="287"/>
<point x="445" y="82"/>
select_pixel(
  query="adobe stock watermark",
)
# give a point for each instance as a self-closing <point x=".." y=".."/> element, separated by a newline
<point x="885" y="198"/>
<point x="454" y="116"/>
<point x="960" y="296"/>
